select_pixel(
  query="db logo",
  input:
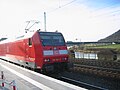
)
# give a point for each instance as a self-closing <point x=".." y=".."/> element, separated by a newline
<point x="56" y="52"/>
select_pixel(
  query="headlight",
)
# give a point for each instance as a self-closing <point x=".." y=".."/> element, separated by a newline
<point x="64" y="58"/>
<point x="47" y="60"/>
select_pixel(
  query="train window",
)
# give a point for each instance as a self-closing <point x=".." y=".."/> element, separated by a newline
<point x="30" y="41"/>
<point x="52" y="39"/>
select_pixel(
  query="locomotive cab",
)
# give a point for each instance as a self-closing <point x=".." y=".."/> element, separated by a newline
<point x="54" y="51"/>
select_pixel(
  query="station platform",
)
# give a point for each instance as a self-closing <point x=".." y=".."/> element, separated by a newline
<point x="29" y="80"/>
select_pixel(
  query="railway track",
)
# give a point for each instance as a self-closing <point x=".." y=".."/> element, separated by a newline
<point x="98" y="67"/>
<point x="88" y="81"/>
<point x="101" y="71"/>
<point x="82" y="84"/>
<point x="98" y="63"/>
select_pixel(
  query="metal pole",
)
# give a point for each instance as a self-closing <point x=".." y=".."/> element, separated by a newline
<point x="14" y="85"/>
<point x="45" y="21"/>
<point x="2" y="77"/>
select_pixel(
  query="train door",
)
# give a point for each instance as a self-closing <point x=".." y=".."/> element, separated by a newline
<point x="28" y="48"/>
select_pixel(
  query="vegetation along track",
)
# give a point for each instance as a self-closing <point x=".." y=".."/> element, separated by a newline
<point x="97" y="67"/>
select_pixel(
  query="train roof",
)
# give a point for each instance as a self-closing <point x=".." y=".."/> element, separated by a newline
<point x="12" y="39"/>
<point x="26" y="35"/>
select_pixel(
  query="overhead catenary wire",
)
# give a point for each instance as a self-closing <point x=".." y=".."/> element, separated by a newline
<point x="109" y="11"/>
<point x="45" y="12"/>
<point x="103" y="14"/>
<point x="61" y="6"/>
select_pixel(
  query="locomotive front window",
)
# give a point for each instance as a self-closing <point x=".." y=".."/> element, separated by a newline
<point x="52" y="39"/>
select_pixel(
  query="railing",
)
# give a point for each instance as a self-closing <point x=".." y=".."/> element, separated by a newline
<point x="86" y="55"/>
<point x="5" y="82"/>
<point x="95" y="56"/>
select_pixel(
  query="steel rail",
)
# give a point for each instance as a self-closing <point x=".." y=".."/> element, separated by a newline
<point x="86" y="85"/>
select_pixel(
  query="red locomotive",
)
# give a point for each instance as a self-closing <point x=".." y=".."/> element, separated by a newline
<point x="46" y="51"/>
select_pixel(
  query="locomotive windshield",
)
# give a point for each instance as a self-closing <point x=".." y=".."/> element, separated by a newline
<point x="52" y="39"/>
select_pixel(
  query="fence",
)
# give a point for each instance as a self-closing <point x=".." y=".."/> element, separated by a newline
<point x="95" y="56"/>
<point x="5" y="82"/>
<point x="86" y="55"/>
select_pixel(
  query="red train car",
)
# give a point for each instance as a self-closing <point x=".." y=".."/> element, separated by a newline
<point x="46" y="51"/>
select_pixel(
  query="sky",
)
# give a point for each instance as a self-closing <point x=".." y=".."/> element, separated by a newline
<point x="77" y="20"/>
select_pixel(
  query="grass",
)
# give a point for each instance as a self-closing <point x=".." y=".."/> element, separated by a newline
<point x="88" y="47"/>
<point x="111" y="46"/>
<point x="115" y="47"/>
